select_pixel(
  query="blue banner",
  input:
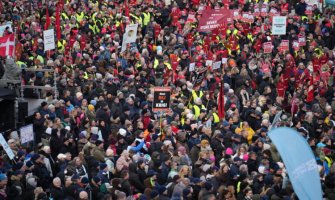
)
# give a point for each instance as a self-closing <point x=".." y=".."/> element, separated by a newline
<point x="299" y="161"/>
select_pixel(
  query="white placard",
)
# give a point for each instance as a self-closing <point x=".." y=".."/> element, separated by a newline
<point x="192" y="67"/>
<point x="279" y="25"/>
<point x="26" y="134"/>
<point x="3" y="28"/>
<point x="49" y="40"/>
<point x="129" y="36"/>
<point x="209" y="63"/>
<point x="217" y="65"/>
<point x="6" y="147"/>
<point x="224" y="60"/>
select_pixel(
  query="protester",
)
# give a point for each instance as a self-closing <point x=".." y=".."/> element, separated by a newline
<point x="100" y="137"/>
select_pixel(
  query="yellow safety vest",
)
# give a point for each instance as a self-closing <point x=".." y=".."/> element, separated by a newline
<point x="64" y="16"/>
<point x="80" y="17"/>
<point x="197" y="110"/>
<point x="216" y="118"/>
<point x="138" y="19"/>
<point x="20" y="64"/>
<point x="92" y="28"/>
<point x="86" y="75"/>
<point x="195" y="95"/>
<point x="61" y="45"/>
<point x="168" y="65"/>
<point x="146" y="19"/>
<point x="329" y="161"/>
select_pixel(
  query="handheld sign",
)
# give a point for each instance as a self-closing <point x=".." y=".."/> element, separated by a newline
<point x="26" y="134"/>
<point x="279" y="25"/>
<point x="6" y="147"/>
<point x="162" y="96"/>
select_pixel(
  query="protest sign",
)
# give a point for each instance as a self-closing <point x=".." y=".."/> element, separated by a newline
<point x="284" y="46"/>
<point x="216" y="65"/>
<point x="129" y="36"/>
<point x="162" y="96"/>
<point x="26" y="134"/>
<point x="49" y="39"/>
<point x="192" y="67"/>
<point x="267" y="47"/>
<point x="216" y="18"/>
<point x="6" y="147"/>
<point x="279" y="25"/>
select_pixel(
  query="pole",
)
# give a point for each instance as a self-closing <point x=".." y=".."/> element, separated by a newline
<point x="14" y="44"/>
<point x="55" y="84"/>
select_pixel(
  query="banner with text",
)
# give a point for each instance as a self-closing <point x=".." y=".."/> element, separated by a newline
<point x="212" y="19"/>
<point x="279" y="25"/>
<point x="49" y="40"/>
<point x="162" y="96"/>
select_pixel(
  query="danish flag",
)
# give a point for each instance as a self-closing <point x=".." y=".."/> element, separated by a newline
<point x="7" y="45"/>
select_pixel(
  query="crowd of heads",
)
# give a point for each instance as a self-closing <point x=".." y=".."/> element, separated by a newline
<point x="98" y="137"/>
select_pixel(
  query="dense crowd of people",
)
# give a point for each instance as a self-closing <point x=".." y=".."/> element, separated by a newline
<point x="97" y="137"/>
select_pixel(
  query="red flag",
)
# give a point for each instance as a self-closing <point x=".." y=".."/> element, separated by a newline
<point x="47" y="19"/>
<point x="18" y="51"/>
<point x="221" y="111"/>
<point x="83" y="42"/>
<point x="126" y="8"/>
<point x="58" y="31"/>
<point x="7" y="45"/>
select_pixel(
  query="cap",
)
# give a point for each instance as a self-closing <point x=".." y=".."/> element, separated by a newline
<point x="197" y="141"/>
<point x="96" y="179"/>
<point x="29" y="164"/>
<point x="229" y="151"/>
<point x="151" y="172"/>
<point x="225" y="123"/>
<point x="122" y="132"/>
<point x="3" y="177"/>
<point x="82" y="134"/>
<point x="18" y="166"/>
<point x="75" y="177"/>
<point x="84" y="180"/>
<point x="35" y="157"/>
<point x="320" y="145"/>
<point x="102" y="166"/>
<point x="237" y="159"/>
<point x="98" y="142"/>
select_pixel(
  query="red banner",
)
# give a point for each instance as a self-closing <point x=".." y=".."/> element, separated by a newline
<point x="284" y="46"/>
<point x="267" y="47"/>
<point x="213" y="19"/>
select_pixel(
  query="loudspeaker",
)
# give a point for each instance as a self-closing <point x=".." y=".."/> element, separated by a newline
<point x="7" y="114"/>
<point x="22" y="111"/>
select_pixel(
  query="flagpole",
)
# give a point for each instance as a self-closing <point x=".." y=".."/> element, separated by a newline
<point x="13" y="55"/>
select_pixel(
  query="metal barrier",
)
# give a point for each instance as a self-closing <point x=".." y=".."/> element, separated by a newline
<point x="13" y="84"/>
